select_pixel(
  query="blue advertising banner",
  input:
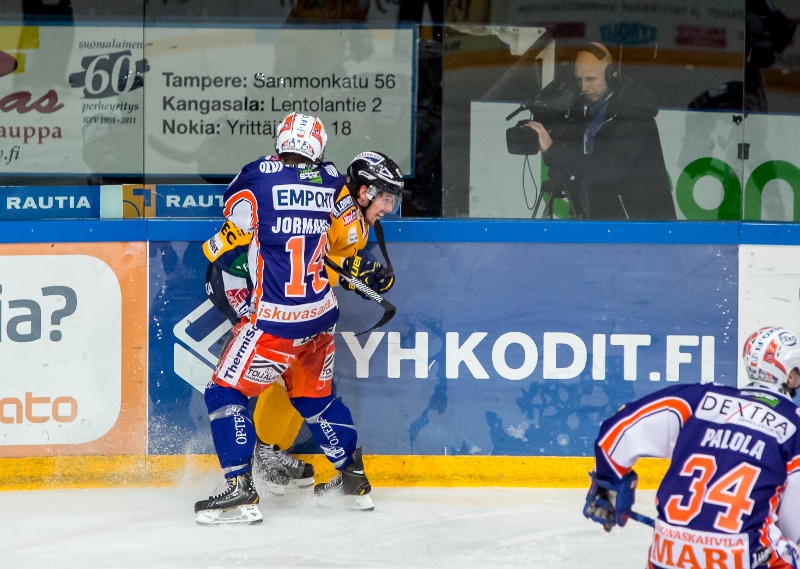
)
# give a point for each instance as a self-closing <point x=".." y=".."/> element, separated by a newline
<point x="189" y="200"/>
<point x="49" y="202"/>
<point x="496" y="349"/>
<point x="177" y="416"/>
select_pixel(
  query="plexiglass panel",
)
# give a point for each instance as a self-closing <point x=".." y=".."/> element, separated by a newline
<point x="771" y="178"/>
<point x="620" y="111"/>
<point x="71" y="108"/>
<point x="136" y="106"/>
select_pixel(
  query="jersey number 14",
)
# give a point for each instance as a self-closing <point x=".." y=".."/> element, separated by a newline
<point x="296" y="247"/>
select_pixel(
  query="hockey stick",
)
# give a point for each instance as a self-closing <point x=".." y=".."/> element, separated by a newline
<point x="382" y="244"/>
<point x="389" y="309"/>
<point x="642" y="519"/>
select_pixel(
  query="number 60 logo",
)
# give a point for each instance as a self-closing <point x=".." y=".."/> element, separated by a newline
<point x="109" y="75"/>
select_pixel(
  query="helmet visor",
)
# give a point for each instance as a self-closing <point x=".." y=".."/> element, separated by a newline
<point x="388" y="202"/>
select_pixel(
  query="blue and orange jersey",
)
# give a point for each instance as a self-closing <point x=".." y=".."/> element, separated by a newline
<point x="347" y="235"/>
<point x="731" y="495"/>
<point x="288" y="210"/>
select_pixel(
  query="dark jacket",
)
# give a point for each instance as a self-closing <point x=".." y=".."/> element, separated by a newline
<point x="625" y="176"/>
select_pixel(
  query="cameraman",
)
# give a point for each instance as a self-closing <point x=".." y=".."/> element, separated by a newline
<point x="608" y="154"/>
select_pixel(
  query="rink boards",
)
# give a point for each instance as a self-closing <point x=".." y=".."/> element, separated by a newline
<point x="512" y="342"/>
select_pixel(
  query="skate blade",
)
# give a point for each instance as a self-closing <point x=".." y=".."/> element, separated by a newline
<point x="301" y="482"/>
<point x="294" y="484"/>
<point x="341" y="501"/>
<point x="244" y="515"/>
<point x="362" y="503"/>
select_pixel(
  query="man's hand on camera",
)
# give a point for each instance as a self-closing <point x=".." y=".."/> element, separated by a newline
<point x="545" y="140"/>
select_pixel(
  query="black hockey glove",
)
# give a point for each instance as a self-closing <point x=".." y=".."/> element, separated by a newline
<point x="367" y="269"/>
<point x="610" y="504"/>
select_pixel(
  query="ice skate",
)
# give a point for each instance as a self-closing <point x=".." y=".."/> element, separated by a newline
<point x="236" y="503"/>
<point x="349" y="488"/>
<point x="279" y="470"/>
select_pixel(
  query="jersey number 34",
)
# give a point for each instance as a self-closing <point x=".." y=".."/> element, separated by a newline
<point x="731" y="490"/>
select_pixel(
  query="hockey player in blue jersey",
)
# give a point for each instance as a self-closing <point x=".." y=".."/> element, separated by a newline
<point x="286" y="203"/>
<point x="731" y="496"/>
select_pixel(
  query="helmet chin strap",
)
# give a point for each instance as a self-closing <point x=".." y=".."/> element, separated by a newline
<point x="377" y="227"/>
<point x="354" y="195"/>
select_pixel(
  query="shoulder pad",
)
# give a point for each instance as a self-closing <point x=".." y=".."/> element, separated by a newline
<point x="331" y="169"/>
<point x="343" y="205"/>
<point x="228" y="238"/>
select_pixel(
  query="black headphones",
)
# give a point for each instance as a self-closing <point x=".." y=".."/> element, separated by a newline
<point x="612" y="71"/>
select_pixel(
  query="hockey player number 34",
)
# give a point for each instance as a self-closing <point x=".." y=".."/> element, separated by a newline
<point x="296" y="247"/>
<point x="732" y="491"/>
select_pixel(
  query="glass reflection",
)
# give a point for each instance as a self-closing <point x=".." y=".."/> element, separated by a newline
<point x="663" y="134"/>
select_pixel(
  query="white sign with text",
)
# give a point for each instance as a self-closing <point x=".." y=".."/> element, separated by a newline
<point x="60" y="349"/>
<point x="214" y="99"/>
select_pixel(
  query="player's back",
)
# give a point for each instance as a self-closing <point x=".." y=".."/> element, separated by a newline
<point x="717" y="503"/>
<point x="288" y="208"/>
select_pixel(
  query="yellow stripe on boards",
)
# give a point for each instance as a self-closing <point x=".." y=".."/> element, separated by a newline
<point x="508" y="471"/>
<point x="51" y="473"/>
<point x="382" y="470"/>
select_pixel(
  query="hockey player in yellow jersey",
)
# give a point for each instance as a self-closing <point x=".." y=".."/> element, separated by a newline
<point x="372" y="188"/>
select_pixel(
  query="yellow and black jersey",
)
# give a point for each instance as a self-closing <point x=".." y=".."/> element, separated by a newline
<point x="348" y="232"/>
<point x="228" y="249"/>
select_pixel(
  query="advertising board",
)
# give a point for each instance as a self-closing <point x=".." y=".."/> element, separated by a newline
<point x="215" y="97"/>
<point x="711" y="26"/>
<point x="73" y="349"/>
<point x="497" y="348"/>
<point x="49" y="202"/>
<point x="769" y="289"/>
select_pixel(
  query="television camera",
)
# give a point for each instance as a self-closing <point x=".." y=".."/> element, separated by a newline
<point x="550" y="107"/>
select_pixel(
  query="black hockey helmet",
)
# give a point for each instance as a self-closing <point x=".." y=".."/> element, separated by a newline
<point x="378" y="173"/>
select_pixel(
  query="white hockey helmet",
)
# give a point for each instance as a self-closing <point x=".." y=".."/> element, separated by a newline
<point x="770" y="354"/>
<point x="304" y="135"/>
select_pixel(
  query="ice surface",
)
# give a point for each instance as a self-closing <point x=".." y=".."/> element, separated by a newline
<point x="151" y="528"/>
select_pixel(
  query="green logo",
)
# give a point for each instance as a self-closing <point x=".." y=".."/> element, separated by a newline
<point x="239" y="266"/>
<point x="311" y="175"/>
<point x="764" y="398"/>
